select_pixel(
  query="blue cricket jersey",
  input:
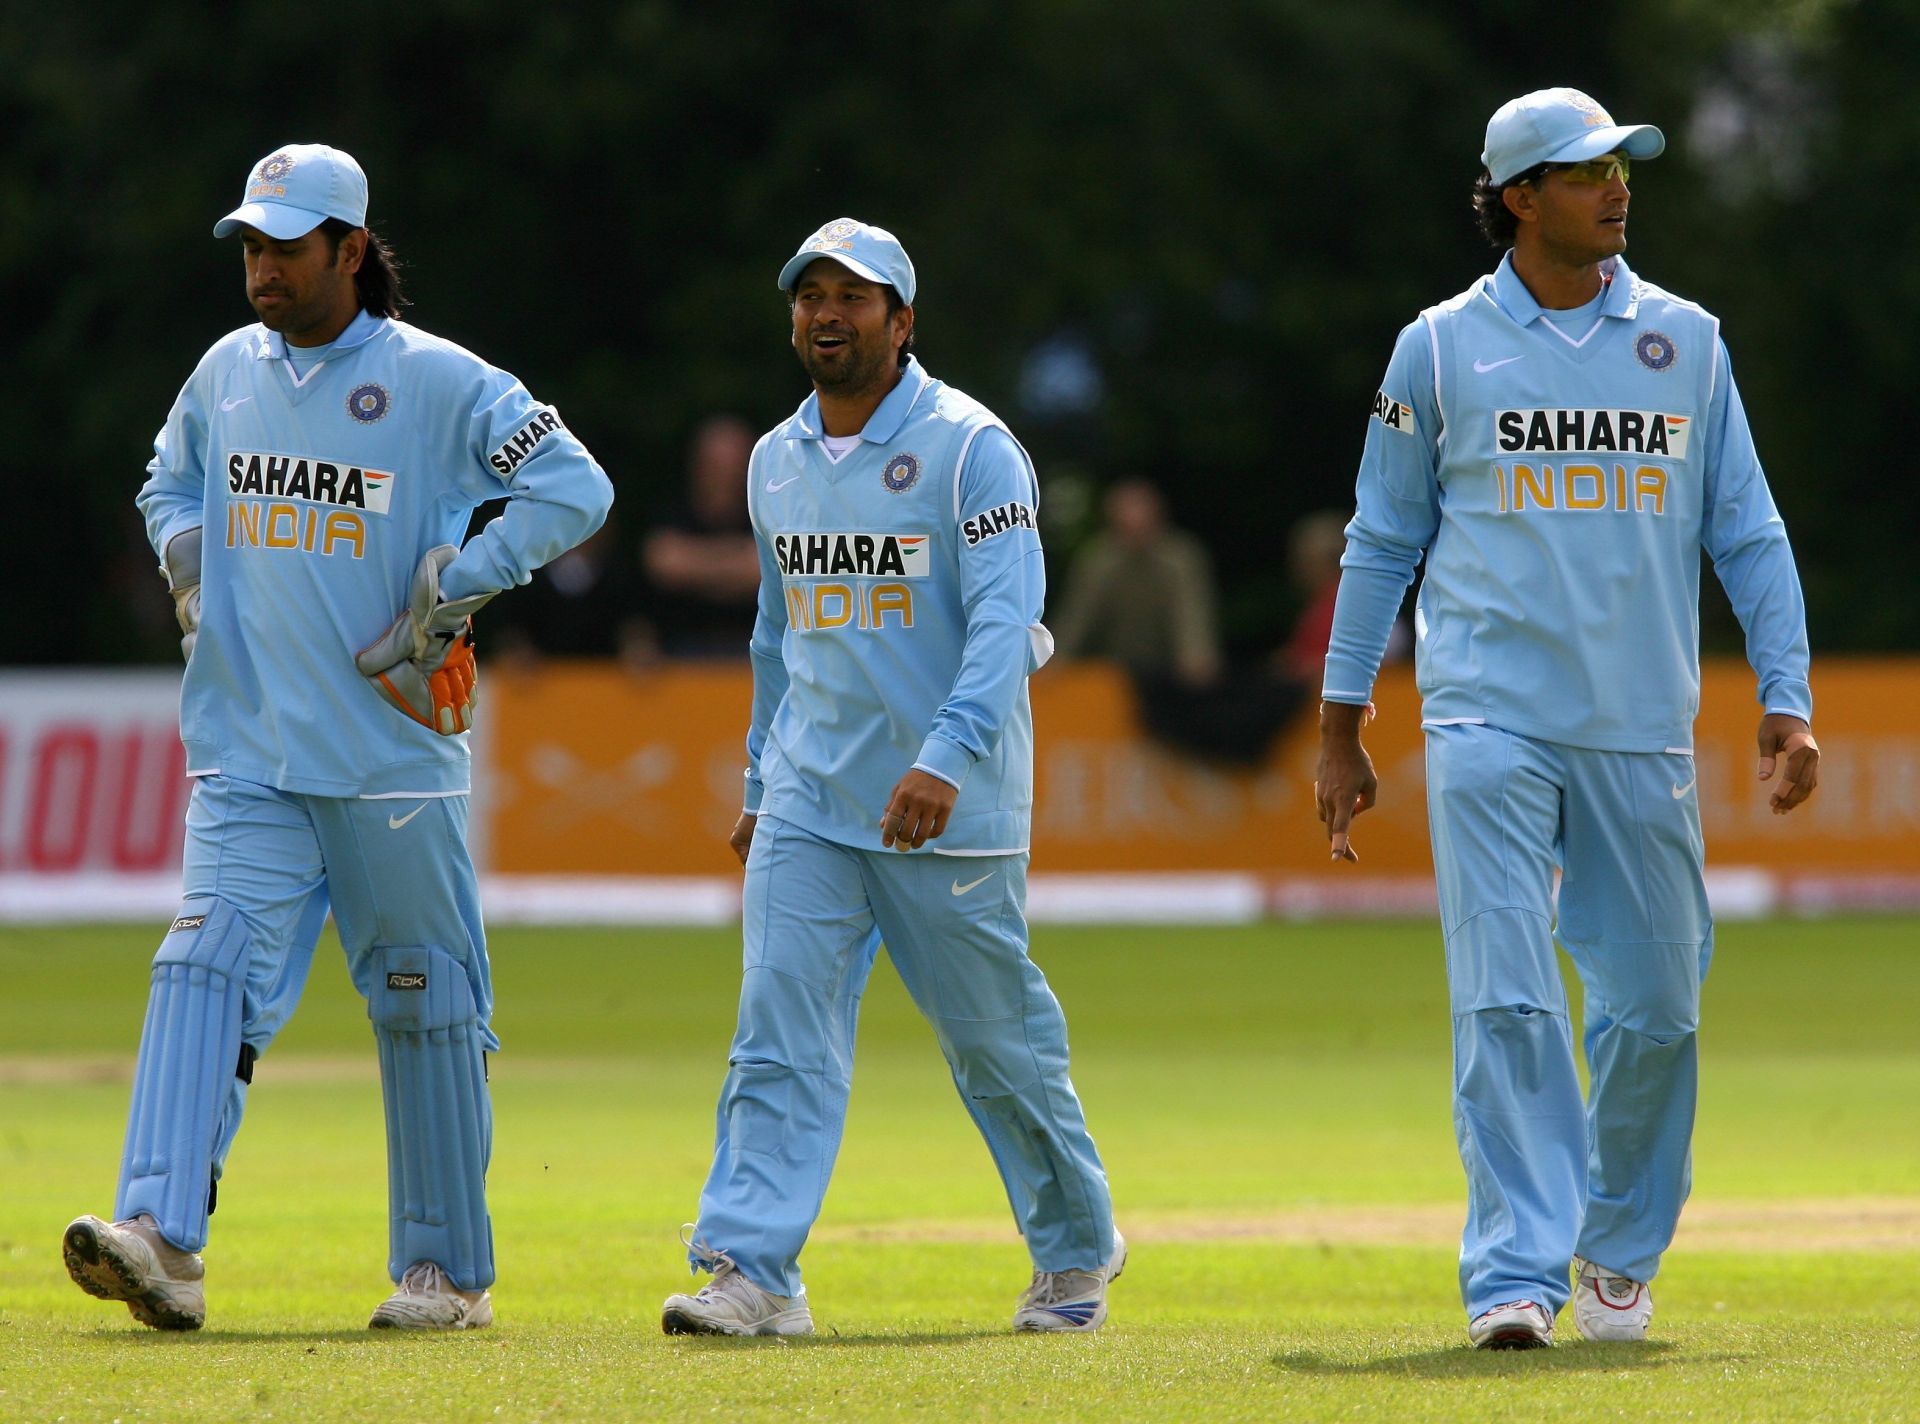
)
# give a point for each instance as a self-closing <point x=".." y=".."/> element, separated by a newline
<point x="900" y="599"/>
<point x="1561" y="484"/>
<point x="319" y="484"/>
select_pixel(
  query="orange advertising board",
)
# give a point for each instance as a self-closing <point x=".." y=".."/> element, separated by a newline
<point x="597" y="771"/>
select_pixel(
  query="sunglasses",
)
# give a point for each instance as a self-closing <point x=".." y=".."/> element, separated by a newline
<point x="1598" y="171"/>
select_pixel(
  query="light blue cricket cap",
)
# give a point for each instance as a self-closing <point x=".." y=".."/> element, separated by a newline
<point x="1559" y="126"/>
<point x="295" y="188"/>
<point x="863" y="249"/>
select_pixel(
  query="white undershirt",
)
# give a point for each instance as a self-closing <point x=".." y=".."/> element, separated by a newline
<point x="838" y="446"/>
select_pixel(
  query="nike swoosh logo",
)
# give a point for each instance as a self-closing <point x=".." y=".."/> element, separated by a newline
<point x="773" y="488"/>
<point x="394" y="823"/>
<point x="1482" y="367"/>
<point x="960" y="889"/>
<point x="1679" y="790"/>
<point x="230" y="404"/>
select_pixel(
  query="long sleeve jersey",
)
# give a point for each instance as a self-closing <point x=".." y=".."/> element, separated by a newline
<point x="1561" y="485"/>
<point x="899" y="617"/>
<point x="319" y="482"/>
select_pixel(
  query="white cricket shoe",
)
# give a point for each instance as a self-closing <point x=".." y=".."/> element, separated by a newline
<point x="1609" y="1306"/>
<point x="1515" y="1325"/>
<point x="427" y="1299"/>
<point x="730" y="1304"/>
<point x="131" y="1261"/>
<point x="1070" y="1300"/>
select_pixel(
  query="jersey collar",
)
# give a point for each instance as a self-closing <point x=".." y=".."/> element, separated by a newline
<point x="273" y="346"/>
<point x="887" y="417"/>
<point x="1622" y="298"/>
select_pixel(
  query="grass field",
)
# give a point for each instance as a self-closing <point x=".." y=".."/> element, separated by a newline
<point x="1271" y="1103"/>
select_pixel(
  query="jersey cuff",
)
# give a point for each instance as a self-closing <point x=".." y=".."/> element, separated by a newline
<point x="947" y="760"/>
<point x="1793" y="697"/>
<point x="756" y="793"/>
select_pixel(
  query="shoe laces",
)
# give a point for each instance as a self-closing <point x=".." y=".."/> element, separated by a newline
<point x="423" y="1278"/>
<point x="709" y="1258"/>
<point x="1052" y="1287"/>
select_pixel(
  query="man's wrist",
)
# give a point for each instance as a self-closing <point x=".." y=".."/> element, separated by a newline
<point x="1343" y="719"/>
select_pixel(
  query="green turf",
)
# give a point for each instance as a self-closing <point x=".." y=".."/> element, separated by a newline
<point x="1229" y="1074"/>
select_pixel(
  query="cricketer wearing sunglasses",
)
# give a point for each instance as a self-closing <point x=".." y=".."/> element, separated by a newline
<point x="1560" y="441"/>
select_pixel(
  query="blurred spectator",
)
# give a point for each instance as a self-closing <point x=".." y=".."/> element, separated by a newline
<point x="1142" y="594"/>
<point x="584" y="604"/>
<point x="702" y="570"/>
<point x="1314" y="546"/>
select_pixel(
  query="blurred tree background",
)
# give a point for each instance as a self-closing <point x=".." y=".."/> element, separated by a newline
<point x="1164" y="239"/>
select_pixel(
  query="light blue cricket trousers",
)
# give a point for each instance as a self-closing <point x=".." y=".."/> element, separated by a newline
<point x="815" y="913"/>
<point x="1545" y="1180"/>
<point x="396" y="873"/>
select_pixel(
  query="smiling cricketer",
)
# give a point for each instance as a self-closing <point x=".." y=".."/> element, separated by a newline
<point x="889" y="797"/>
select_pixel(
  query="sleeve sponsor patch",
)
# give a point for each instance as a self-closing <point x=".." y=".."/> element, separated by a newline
<point x="982" y="527"/>
<point x="522" y="442"/>
<point x="1392" y="413"/>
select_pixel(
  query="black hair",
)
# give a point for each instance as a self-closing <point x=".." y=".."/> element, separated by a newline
<point x="1497" y="222"/>
<point x="893" y="305"/>
<point x="377" y="283"/>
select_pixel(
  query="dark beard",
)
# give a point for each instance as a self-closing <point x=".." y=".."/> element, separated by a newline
<point x="861" y="373"/>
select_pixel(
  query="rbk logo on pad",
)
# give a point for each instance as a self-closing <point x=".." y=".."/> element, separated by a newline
<point x="406" y="981"/>
<point x="187" y="922"/>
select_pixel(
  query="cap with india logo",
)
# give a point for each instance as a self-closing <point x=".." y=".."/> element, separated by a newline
<point x="295" y="188"/>
<point x="865" y="250"/>
<point x="1559" y="126"/>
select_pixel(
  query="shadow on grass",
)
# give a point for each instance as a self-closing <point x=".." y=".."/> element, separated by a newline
<point x="834" y="1340"/>
<point x="1466" y="1363"/>
<point x="210" y="1339"/>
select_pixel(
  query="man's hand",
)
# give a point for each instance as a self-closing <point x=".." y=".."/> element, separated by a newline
<point x="181" y="564"/>
<point x="423" y="664"/>
<point x="742" y="838"/>
<point x="1344" y="785"/>
<point x="1784" y="735"/>
<point x="917" y="811"/>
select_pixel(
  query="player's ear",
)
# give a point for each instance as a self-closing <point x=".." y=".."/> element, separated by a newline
<point x="1522" y="201"/>
<point x="902" y="325"/>
<point x="353" y="250"/>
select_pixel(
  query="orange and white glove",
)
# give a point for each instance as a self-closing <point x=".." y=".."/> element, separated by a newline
<point x="423" y="664"/>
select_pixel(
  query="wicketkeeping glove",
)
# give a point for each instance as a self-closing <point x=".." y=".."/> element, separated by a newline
<point x="423" y="664"/>
<point x="181" y="564"/>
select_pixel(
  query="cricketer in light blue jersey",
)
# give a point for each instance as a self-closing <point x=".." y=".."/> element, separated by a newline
<point x="314" y="476"/>
<point x="900" y="601"/>
<point x="1560" y="442"/>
